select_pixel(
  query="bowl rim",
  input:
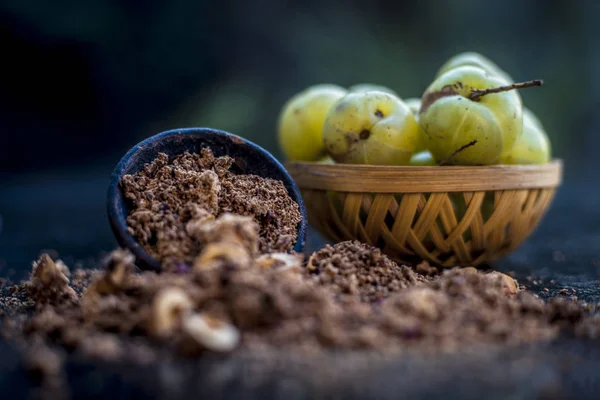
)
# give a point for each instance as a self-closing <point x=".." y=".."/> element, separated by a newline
<point x="417" y="179"/>
<point x="133" y="160"/>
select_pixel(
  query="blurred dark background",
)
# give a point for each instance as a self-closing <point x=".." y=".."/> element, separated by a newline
<point x="84" y="81"/>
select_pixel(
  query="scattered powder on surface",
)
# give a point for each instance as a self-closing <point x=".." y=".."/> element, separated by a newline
<point x="237" y="300"/>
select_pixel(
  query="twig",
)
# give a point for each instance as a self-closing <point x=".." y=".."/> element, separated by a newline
<point x="477" y="93"/>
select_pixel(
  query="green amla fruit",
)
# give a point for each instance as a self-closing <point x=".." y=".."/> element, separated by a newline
<point x="370" y="87"/>
<point x="300" y="124"/>
<point x="371" y="128"/>
<point x="471" y="117"/>
<point x="326" y="160"/>
<point x="422" y="158"/>
<point x="473" y="59"/>
<point x="533" y="146"/>
<point x="414" y="103"/>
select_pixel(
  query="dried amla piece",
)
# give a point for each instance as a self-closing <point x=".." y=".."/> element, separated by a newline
<point x="281" y="261"/>
<point x="118" y="266"/>
<point x="198" y="217"/>
<point x="511" y="286"/>
<point x="424" y="302"/>
<point x="228" y="240"/>
<point x="220" y="254"/>
<point x="231" y="228"/>
<point x="170" y="306"/>
<point x="49" y="282"/>
<point x="468" y="270"/>
<point x="47" y="272"/>
<point x="211" y="333"/>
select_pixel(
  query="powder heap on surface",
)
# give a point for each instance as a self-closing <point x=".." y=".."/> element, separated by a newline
<point x="355" y="268"/>
<point x="172" y="199"/>
<point x="234" y="299"/>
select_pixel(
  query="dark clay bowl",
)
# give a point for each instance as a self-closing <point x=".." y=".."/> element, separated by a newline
<point x="249" y="159"/>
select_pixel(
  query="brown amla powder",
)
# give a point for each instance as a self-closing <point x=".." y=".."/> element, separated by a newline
<point x="353" y="268"/>
<point x="173" y="199"/>
<point x="236" y="301"/>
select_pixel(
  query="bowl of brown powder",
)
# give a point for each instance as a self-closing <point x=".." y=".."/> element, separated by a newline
<point x="168" y="186"/>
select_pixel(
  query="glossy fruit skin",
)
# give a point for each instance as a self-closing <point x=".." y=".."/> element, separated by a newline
<point x="422" y="158"/>
<point x="371" y="128"/>
<point x="475" y="60"/>
<point x="531" y="117"/>
<point x="451" y="120"/>
<point x="533" y="146"/>
<point x="326" y="160"/>
<point x="414" y="103"/>
<point x="370" y="87"/>
<point x="300" y="123"/>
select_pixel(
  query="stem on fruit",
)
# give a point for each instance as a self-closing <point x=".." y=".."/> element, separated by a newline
<point x="461" y="148"/>
<point x="476" y="94"/>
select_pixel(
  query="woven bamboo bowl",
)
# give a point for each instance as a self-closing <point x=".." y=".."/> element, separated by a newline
<point x="447" y="215"/>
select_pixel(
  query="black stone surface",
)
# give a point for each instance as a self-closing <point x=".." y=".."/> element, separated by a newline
<point x="66" y="212"/>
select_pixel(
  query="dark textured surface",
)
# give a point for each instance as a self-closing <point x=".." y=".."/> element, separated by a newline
<point x="249" y="159"/>
<point x="67" y="213"/>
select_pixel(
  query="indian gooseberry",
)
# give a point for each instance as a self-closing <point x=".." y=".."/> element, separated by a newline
<point x="326" y="160"/>
<point x="422" y="158"/>
<point x="533" y="146"/>
<point x="471" y="117"/>
<point x="371" y="128"/>
<point x="529" y="115"/>
<point x="300" y="123"/>
<point x="475" y="60"/>
<point x="369" y="87"/>
<point x="414" y="103"/>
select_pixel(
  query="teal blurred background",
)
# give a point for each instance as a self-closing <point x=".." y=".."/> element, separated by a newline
<point x="84" y="81"/>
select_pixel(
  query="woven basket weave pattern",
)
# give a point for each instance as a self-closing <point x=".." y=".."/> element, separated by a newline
<point x="417" y="226"/>
<point x="446" y="228"/>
